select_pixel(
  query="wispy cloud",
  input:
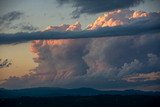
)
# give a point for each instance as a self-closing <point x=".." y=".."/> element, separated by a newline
<point x="24" y="27"/>
<point x="7" y="19"/>
<point x="7" y="22"/>
<point x="14" y="15"/>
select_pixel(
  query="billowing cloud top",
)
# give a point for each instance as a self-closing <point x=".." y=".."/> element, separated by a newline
<point x="119" y="17"/>
<point x="64" y="27"/>
<point x="106" y="63"/>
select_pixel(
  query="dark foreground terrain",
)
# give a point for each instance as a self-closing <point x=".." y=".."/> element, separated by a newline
<point x="83" y="101"/>
<point x="80" y="97"/>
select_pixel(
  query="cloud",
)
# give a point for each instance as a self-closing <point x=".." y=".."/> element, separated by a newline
<point x="121" y="17"/>
<point x="29" y="28"/>
<point x="64" y="27"/>
<point x="134" y="28"/>
<point x="97" y="6"/>
<point x="14" y="15"/>
<point x="7" y="22"/>
<point x="24" y="27"/>
<point x="144" y="77"/>
<point x="66" y="56"/>
<point x="104" y="63"/>
<point x="7" y="19"/>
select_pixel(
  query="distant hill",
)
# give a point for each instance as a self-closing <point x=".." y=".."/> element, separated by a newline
<point x="54" y="92"/>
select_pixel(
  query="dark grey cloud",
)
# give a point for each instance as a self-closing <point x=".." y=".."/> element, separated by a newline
<point x="7" y="22"/>
<point x="127" y="55"/>
<point x="136" y="28"/>
<point x="7" y="19"/>
<point x="97" y="6"/>
<point x="14" y="15"/>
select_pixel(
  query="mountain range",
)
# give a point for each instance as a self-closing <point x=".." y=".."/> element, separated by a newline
<point x="54" y="92"/>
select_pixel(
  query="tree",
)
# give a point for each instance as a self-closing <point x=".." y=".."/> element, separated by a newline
<point x="5" y="63"/>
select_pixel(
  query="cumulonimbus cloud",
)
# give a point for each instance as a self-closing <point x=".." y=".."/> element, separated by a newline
<point x="104" y="63"/>
<point x="136" y="28"/>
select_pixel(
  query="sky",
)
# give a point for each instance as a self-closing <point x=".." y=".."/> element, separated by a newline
<point x="123" y="58"/>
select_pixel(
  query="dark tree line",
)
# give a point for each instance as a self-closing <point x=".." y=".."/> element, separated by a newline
<point x="83" y="101"/>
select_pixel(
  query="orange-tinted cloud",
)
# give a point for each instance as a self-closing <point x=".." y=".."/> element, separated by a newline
<point x="116" y="18"/>
<point x="98" y="63"/>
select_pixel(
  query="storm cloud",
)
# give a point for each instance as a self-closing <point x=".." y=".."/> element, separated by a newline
<point x="113" y="62"/>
